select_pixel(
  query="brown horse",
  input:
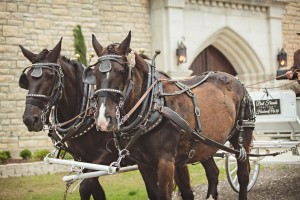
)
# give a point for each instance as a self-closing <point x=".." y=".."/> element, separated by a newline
<point x="170" y="132"/>
<point x="54" y="80"/>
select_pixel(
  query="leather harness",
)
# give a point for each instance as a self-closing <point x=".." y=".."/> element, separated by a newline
<point x="153" y="110"/>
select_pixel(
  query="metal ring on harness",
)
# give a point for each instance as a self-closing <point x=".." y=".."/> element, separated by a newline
<point x="191" y="153"/>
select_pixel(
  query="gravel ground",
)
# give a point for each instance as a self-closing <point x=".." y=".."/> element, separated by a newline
<point x="276" y="182"/>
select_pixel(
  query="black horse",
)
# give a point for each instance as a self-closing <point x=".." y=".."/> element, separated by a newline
<point x="54" y="80"/>
<point x="181" y="122"/>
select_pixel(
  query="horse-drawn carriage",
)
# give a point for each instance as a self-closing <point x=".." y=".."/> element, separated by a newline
<point x="128" y="86"/>
<point x="277" y="128"/>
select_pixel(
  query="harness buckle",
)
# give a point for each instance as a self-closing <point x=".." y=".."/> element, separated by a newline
<point x="59" y="145"/>
<point x="197" y="111"/>
<point x="123" y="153"/>
<point x="191" y="153"/>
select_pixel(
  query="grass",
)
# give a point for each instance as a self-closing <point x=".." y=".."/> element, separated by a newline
<point x="121" y="186"/>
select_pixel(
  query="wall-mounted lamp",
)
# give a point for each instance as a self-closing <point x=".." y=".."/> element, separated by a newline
<point x="181" y="53"/>
<point x="282" y="58"/>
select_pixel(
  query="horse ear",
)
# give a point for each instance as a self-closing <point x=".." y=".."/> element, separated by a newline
<point x="125" y="45"/>
<point x="28" y="54"/>
<point x="97" y="46"/>
<point x="54" y="54"/>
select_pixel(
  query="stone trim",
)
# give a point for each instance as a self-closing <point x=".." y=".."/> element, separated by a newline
<point x="29" y="169"/>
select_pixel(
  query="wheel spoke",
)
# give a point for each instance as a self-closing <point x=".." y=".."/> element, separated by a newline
<point x="233" y="171"/>
<point x="235" y="180"/>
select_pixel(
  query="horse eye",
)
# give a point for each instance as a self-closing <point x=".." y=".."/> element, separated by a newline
<point x="121" y="71"/>
<point x="49" y="76"/>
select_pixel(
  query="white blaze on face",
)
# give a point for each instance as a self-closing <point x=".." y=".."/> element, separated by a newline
<point x="102" y="122"/>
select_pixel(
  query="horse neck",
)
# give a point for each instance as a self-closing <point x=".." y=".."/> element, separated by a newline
<point x="140" y="79"/>
<point x="69" y="105"/>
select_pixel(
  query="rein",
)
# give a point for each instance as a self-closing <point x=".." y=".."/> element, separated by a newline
<point x="81" y="124"/>
<point x="125" y="118"/>
<point x="271" y="79"/>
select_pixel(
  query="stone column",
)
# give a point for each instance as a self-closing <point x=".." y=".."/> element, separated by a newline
<point x="167" y="32"/>
<point x="275" y="14"/>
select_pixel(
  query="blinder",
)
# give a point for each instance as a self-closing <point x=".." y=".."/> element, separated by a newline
<point x="37" y="72"/>
<point x="23" y="81"/>
<point x="105" y="66"/>
<point x="88" y="76"/>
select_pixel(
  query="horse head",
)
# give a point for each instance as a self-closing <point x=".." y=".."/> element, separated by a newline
<point x="118" y="82"/>
<point x="43" y="80"/>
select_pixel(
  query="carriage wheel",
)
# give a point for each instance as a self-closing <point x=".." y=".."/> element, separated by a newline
<point x="231" y="170"/>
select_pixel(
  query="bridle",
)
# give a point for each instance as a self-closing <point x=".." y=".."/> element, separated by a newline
<point x="116" y="95"/>
<point x="42" y="101"/>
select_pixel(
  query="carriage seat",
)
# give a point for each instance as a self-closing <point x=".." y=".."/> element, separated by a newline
<point x="277" y="114"/>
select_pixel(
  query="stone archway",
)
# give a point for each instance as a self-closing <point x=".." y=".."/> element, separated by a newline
<point x="236" y="50"/>
<point x="211" y="59"/>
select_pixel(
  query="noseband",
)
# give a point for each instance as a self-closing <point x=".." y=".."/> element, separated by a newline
<point x="42" y="101"/>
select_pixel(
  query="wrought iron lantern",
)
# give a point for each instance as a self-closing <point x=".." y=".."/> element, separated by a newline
<point x="181" y="53"/>
<point x="282" y="58"/>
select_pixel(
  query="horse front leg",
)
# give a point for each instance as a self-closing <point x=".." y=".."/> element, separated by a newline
<point x="212" y="174"/>
<point x="243" y="178"/>
<point x="166" y="172"/>
<point x="91" y="186"/>
<point x="149" y="176"/>
<point x="244" y="167"/>
<point x="182" y="179"/>
<point x="243" y="170"/>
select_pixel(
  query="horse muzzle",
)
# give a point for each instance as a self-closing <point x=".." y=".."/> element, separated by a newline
<point x="32" y="119"/>
<point x="103" y="124"/>
<point x="103" y="119"/>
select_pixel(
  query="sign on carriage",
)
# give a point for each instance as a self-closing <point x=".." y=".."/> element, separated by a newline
<point x="267" y="107"/>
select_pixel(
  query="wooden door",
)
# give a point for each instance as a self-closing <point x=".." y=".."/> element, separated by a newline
<point x="211" y="59"/>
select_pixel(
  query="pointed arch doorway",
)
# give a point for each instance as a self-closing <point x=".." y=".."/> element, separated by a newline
<point x="211" y="59"/>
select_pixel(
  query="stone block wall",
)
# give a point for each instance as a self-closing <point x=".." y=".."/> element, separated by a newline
<point x="291" y="26"/>
<point x="29" y="169"/>
<point x="39" y="24"/>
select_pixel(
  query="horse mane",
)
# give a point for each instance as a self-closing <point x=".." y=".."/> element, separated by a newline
<point x="72" y="62"/>
<point x="141" y="64"/>
<point x="79" y="67"/>
<point x="41" y="55"/>
<point x="145" y="56"/>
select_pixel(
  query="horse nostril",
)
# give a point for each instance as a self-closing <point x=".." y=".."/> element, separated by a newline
<point x="108" y="119"/>
<point x="35" y="119"/>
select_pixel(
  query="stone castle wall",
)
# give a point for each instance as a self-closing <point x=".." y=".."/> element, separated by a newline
<point x="39" y="24"/>
<point x="291" y="26"/>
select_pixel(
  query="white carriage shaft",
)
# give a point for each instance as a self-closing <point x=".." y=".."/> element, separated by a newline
<point x="71" y="163"/>
<point x="97" y="174"/>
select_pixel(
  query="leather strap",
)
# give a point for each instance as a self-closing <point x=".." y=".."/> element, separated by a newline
<point x="126" y="117"/>
<point x="174" y="117"/>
